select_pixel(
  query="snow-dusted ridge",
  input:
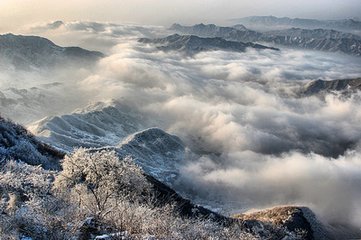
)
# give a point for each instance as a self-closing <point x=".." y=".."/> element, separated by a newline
<point x="97" y="125"/>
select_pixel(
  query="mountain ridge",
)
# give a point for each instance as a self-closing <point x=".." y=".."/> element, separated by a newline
<point x="29" y="52"/>
<point x="312" y="39"/>
<point x="194" y="44"/>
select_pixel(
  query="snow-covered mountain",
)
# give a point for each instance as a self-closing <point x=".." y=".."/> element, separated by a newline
<point x="29" y="52"/>
<point x="97" y="125"/>
<point x="112" y="124"/>
<point x="312" y="39"/>
<point x="29" y="104"/>
<point x="194" y="44"/>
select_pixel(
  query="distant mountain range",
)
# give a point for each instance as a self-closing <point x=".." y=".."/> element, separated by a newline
<point x="27" y="52"/>
<point x="26" y="105"/>
<point x="194" y="44"/>
<point x="237" y="33"/>
<point x="264" y="22"/>
<point x="315" y="39"/>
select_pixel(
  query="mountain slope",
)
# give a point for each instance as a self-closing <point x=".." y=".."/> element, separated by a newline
<point x="18" y="144"/>
<point x="315" y="39"/>
<point x="157" y="152"/>
<point x="28" y="52"/>
<point x="194" y="44"/>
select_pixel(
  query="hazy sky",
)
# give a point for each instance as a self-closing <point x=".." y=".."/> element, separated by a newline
<point x="15" y="13"/>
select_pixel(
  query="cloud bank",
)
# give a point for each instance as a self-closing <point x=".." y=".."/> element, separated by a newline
<point x="256" y="142"/>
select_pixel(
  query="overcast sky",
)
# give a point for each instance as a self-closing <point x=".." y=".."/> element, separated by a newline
<point x="15" y="13"/>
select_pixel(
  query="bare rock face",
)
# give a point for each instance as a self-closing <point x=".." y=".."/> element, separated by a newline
<point x="300" y="222"/>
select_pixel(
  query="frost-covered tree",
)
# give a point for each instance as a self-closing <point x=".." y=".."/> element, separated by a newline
<point x="98" y="179"/>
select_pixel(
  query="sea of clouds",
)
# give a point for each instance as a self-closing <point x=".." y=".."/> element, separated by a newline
<point x="258" y="142"/>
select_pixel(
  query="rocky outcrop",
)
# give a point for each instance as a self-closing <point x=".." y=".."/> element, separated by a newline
<point x="298" y="221"/>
